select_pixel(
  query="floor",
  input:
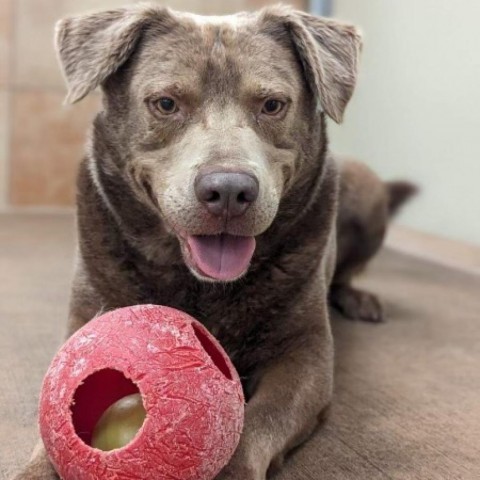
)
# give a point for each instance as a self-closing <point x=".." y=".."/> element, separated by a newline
<point x="407" y="397"/>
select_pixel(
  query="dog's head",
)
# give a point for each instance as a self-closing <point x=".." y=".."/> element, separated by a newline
<point x="214" y="119"/>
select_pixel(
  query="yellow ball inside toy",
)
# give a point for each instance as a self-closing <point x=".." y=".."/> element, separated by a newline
<point x="120" y="423"/>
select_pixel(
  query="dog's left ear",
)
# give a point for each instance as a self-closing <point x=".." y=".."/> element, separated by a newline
<point x="329" y="52"/>
<point x="92" y="47"/>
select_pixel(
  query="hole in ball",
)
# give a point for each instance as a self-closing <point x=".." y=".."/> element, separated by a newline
<point x="107" y="410"/>
<point x="212" y="350"/>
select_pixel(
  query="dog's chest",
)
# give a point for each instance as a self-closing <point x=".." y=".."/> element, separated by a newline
<point x="249" y="327"/>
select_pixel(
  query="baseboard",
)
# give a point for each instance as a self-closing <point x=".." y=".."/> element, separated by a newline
<point x="451" y="253"/>
<point x="40" y="210"/>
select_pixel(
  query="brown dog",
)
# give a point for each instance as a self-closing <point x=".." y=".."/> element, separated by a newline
<point x="207" y="187"/>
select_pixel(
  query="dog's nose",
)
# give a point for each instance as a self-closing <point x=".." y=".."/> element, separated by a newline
<point x="226" y="193"/>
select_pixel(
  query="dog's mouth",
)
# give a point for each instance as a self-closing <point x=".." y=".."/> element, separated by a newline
<point x="222" y="257"/>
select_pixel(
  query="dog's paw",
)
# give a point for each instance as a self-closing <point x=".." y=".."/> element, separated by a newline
<point x="356" y="304"/>
<point x="37" y="471"/>
<point x="240" y="468"/>
<point x="36" y="475"/>
<point x="231" y="472"/>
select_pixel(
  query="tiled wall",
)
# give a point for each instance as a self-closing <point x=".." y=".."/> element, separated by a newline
<point x="41" y="141"/>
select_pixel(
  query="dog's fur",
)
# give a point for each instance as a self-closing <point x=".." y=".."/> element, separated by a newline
<point x="136" y="199"/>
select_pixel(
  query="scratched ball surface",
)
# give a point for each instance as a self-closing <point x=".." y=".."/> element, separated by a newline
<point x="149" y="359"/>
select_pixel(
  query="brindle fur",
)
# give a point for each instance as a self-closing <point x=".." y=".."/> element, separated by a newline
<point x="135" y="194"/>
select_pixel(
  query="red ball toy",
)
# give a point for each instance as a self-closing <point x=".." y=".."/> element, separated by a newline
<point x="190" y="390"/>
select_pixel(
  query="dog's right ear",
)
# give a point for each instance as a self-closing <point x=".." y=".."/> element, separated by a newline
<point x="328" y="51"/>
<point x="92" y="47"/>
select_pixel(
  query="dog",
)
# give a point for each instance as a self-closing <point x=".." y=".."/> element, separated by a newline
<point x="208" y="186"/>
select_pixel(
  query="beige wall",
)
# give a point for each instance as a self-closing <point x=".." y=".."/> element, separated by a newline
<point x="416" y="112"/>
<point x="41" y="141"/>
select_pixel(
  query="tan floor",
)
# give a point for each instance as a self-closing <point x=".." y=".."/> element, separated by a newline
<point x="407" y="401"/>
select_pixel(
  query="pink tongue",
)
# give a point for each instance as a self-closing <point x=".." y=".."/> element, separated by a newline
<point x="223" y="257"/>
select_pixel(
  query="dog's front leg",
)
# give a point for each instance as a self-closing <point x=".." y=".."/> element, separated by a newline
<point x="39" y="466"/>
<point x="291" y="394"/>
<point x="84" y="306"/>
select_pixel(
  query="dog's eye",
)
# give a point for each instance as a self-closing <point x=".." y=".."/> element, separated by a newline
<point x="272" y="107"/>
<point x="166" y="105"/>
